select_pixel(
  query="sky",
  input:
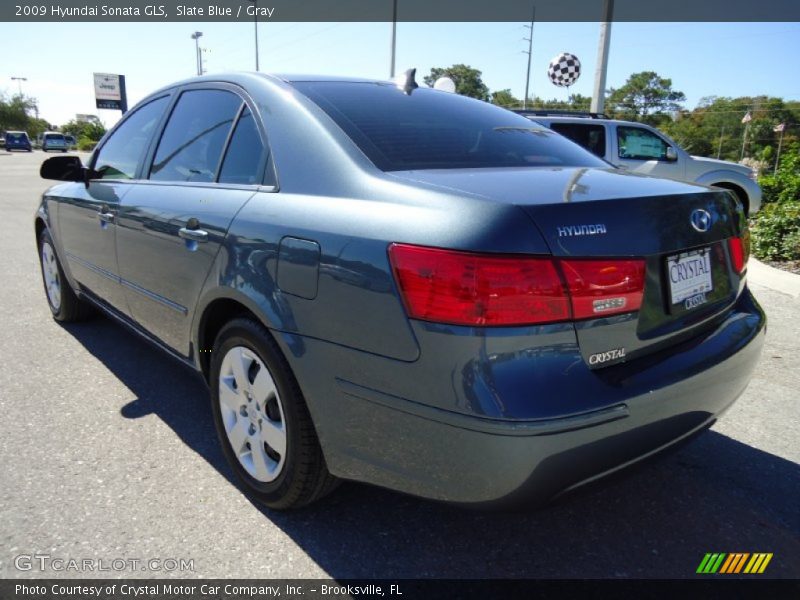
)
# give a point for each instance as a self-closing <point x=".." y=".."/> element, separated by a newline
<point x="702" y="59"/>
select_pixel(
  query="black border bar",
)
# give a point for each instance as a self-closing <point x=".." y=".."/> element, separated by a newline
<point x="407" y="10"/>
<point x="730" y="588"/>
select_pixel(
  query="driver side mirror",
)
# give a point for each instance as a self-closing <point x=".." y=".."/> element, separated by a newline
<point x="63" y="168"/>
<point x="671" y="154"/>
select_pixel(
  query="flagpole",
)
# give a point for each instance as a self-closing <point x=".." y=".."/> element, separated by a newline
<point x="746" y="120"/>
<point x="778" y="157"/>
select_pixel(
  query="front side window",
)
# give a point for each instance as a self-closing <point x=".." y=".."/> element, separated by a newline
<point x="243" y="157"/>
<point x="640" y="144"/>
<point x="195" y="135"/>
<point x="429" y="129"/>
<point x="591" y="137"/>
<point x="121" y="153"/>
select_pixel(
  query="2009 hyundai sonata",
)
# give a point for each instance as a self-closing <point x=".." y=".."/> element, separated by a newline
<point x="404" y="286"/>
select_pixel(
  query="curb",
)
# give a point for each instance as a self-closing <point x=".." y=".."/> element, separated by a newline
<point x="772" y="278"/>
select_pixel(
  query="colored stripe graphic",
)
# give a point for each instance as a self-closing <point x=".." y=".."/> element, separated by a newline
<point x="734" y="563"/>
<point x="758" y="563"/>
<point x="711" y="562"/>
<point x="723" y="563"/>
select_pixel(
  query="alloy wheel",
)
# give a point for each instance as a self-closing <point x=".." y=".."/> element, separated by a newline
<point x="252" y="414"/>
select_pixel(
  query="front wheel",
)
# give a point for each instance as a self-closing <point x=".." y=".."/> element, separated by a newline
<point x="64" y="304"/>
<point x="262" y="420"/>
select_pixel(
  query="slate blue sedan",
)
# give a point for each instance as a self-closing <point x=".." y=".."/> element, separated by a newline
<point x="398" y="285"/>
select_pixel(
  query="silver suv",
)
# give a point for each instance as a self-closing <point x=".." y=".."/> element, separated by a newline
<point x="639" y="148"/>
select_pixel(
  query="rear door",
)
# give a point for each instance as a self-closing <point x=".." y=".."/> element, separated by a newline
<point x="208" y="162"/>
<point x="87" y="213"/>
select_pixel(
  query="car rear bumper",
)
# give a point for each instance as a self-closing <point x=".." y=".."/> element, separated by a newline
<point x="413" y="447"/>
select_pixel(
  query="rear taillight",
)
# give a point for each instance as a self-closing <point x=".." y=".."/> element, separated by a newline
<point x="739" y="250"/>
<point x="600" y="288"/>
<point x="464" y="288"/>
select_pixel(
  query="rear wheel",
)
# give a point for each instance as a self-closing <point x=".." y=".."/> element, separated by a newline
<point x="262" y="421"/>
<point x="64" y="304"/>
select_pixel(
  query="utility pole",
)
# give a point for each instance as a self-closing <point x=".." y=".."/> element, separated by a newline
<point x="529" y="53"/>
<point x="196" y="37"/>
<point x="255" y="24"/>
<point x="394" y="39"/>
<point x="19" y="81"/>
<point x="599" y="95"/>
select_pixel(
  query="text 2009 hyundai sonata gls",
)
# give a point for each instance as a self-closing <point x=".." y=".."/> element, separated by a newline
<point x="404" y="286"/>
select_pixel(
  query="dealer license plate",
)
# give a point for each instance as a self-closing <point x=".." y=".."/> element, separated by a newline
<point x="689" y="274"/>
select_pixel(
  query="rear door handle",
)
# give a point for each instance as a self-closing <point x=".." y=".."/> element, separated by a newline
<point x="196" y="235"/>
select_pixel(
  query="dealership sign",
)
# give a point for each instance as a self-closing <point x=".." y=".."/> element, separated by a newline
<point x="109" y="91"/>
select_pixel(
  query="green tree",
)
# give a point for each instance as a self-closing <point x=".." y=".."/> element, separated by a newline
<point x="467" y="79"/>
<point x="505" y="98"/>
<point x="645" y="95"/>
<point x="14" y="111"/>
<point x="81" y="129"/>
<point x="573" y="102"/>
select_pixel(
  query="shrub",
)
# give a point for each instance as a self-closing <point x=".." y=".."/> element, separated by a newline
<point x="776" y="231"/>
<point x="785" y="185"/>
<point x="86" y="145"/>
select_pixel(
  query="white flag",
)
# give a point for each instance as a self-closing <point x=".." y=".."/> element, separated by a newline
<point x="747" y="118"/>
<point x="779" y="128"/>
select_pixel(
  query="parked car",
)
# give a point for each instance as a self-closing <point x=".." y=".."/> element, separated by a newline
<point x="404" y="286"/>
<point x="17" y="140"/>
<point x="640" y="148"/>
<point x="52" y="140"/>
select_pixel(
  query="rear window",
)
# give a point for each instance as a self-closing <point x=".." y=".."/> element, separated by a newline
<point x="54" y="136"/>
<point x="429" y="129"/>
<point x="16" y="136"/>
<point x="591" y="137"/>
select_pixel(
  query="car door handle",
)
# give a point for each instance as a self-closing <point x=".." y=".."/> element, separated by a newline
<point x="106" y="217"/>
<point x="196" y="235"/>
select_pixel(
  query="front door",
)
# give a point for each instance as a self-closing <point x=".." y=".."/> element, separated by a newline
<point x="87" y="214"/>
<point x="642" y="151"/>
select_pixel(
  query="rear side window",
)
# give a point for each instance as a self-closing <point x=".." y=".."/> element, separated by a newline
<point x="640" y="144"/>
<point x="191" y="145"/>
<point x="121" y="153"/>
<point x="244" y="153"/>
<point x="429" y="129"/>
<point x="591" y="137"/>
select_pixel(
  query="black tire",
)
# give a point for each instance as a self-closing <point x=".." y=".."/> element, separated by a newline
<point x="70" y="308"/>
<point x="304" y="476"/>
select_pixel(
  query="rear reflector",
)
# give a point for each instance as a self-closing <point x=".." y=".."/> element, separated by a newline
<point x="464" y="288"/>
<point x="739" y="249"/>
<point x="599" y="288"/>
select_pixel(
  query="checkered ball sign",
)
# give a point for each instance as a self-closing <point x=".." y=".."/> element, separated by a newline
<point x="564" y="69"/>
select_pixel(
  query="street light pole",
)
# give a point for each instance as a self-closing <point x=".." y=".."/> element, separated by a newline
<point x="196" y="37"/>
<point x="599" y="95"/>
<point x="19" y="81"/>
<point x="530" y="52"/>
<point x="394" y="38"/>
<point x="255" y="26"/>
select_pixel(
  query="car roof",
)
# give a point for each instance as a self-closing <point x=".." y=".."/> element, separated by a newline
<point x="587" y="120"/>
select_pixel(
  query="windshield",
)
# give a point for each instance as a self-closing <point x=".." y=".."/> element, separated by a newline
<point x="430" y="129"/>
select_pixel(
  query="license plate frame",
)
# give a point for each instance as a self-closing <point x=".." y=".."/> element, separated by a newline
<point x="689" y="274"/>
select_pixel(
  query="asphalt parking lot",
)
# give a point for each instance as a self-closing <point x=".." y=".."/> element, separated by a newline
<point x="108" y="451"/>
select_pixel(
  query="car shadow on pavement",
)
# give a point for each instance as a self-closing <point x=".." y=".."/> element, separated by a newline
<point x="714" y="495"/>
